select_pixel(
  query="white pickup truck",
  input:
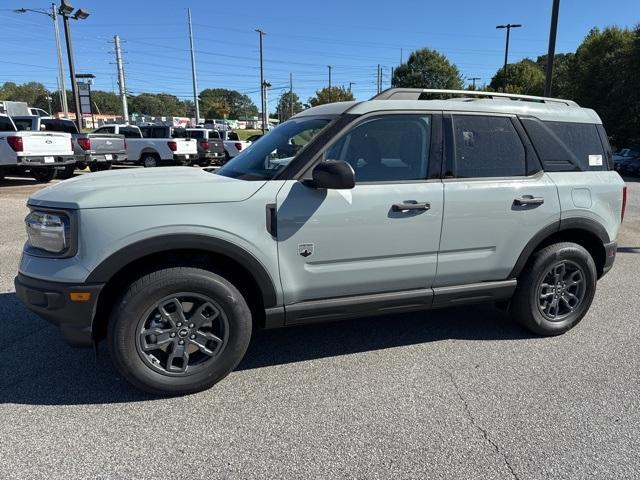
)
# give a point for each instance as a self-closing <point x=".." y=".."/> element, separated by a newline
<point x="39" y="153"/>
<point x="154" y="150"/>
<point x="232" y="143"/>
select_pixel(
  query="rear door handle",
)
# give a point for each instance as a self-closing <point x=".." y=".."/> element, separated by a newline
<point x="410" y="205"/>
<point x="528" y="200"/>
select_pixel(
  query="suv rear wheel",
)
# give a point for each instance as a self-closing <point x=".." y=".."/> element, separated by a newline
<point x="556" y="289"/>
<point x="179" y="330"/>
<point x="43" y="174"/>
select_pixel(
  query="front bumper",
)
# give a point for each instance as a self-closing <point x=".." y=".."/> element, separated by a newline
<point x="610" y="250"/>
<point x="45" y="160"/>
<point x="51" y="301"/>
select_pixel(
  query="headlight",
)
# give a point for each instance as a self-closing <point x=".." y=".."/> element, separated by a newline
<point x="47" y="231"/>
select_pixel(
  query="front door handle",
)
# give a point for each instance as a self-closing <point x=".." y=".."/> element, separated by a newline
<point x="410" y="205"/>
<point x="527" y="200"/>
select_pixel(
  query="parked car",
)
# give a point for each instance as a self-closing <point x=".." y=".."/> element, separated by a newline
<point x="627" y="161"/>
<point x="38" y="153"/>
<point x="96" y="150"/>
<point x="157" y="148"/>
<point x="210" y="146"/>
<point x="232" y="144"/>
<point x="374" y="216"/>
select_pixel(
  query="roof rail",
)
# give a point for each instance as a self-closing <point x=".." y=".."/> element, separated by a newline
<point x="416" y="93"/>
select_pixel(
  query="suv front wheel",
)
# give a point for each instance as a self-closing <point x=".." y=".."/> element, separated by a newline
<point x="179" y="330"/>
<point x="555" y="290"/>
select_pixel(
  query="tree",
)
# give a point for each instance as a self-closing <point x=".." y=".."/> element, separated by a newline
<point x="289" y="102"/>
<point x="561" y="84"/>
<point x="329" y="95"/>
<point x="426" y="68"/>
<point x="525" y="77"/>
<point x="605" y="77"/>
<point x="106" y="102"/>
<point x="157" y="104"/>
<point x="220" y="102"/>
<point x="34" y="93"/>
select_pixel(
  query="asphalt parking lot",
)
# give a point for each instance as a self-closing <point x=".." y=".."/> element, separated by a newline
<point x="461" y="393"/>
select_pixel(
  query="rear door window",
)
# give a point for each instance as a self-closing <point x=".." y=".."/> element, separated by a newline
<point x="233" y="136"/>
<point x="59" y="126"/>
<point x="486" y="146"/>
<point x="129" y="132"/>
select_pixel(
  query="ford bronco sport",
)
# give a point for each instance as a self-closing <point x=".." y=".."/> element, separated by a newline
<point x="400" y="203"/>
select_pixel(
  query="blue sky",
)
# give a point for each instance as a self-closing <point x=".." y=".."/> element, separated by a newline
<point x="303" y="37"/>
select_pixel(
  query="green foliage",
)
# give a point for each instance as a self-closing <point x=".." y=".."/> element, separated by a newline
<point x="223" y="103"/>
<point x="525" y="77"/>
<point x="157" y="105"/>
<point x="34" y="93"/>
<point x="329" y="95"/>
<point x="106" y="102"/>
<point x="426" y="68"/>
<point x="289" y="101"/>
<point x="561" y="86"/>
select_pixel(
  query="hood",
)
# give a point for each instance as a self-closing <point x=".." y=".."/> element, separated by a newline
<point x="144" y="186"/>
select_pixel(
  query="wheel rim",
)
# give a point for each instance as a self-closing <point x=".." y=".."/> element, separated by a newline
<point x="182" y="333"/>
<point x="561" y="290"/>
<point x="149" y="162"/>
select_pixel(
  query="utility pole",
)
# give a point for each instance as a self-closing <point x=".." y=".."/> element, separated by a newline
<point x="508" y="26"/>
<point x="350" y="84"/>
<point x="63" y="89"/>
<point x="262" y="90"/>
<point x="290" y="94"/>
<point x="401" y="56"/>
<point x="121" y="83"/>
<point x="552" y="47"/>
<point x="329" y="67"/>
<point x="473" y="79"/>
<point x="193" y="70"/>
<point x="72" y="67"/>
<point x="266" y="86"/>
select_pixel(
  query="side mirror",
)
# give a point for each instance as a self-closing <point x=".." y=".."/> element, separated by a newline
<point x="334" y="174"/>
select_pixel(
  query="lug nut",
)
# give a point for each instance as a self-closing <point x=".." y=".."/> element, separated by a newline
<point x="179" y="324"/>
<point x="181" y="342"/>
<point x="173" y="334"/>
<point x="191" y="325"/>
<point x="192" y="337"/>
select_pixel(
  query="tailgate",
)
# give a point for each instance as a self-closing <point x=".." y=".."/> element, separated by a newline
<point x="186" y="147"/>
<point x="106" y="143"/>
<point x="216" y="146"/>
<point x="46" y="143"/>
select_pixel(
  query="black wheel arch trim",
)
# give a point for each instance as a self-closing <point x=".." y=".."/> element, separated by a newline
<point x="166" y="243"/>
<point x="571" y="223"/>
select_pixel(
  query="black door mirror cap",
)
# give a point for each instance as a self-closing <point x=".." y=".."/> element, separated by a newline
<point x="333" y="174"/>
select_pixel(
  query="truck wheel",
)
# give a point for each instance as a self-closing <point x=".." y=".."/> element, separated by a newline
<point x="43" y="174"/>
<point x="107" y="166"/>
<point x="555" y="290"/>
<point x="204" y="162"/>
<point x="149" y="160"/>
<point x="66" y="172"/>
<point x="81" y="165"/>
<point x="178" y="331"/>
<point x="227" y="157"/>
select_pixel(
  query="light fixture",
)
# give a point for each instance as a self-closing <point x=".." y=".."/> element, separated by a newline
<point x="81" y="14"/>
<point x="65" y="8"/>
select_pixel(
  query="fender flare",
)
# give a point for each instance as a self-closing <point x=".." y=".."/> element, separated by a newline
<point x="166" y="243"/>
<point x="572" y="223"/>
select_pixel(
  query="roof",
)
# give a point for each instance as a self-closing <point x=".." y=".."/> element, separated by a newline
<point x="546" y="109"/>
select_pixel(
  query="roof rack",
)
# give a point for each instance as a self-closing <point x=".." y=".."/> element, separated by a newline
<point x="416" y="93"/>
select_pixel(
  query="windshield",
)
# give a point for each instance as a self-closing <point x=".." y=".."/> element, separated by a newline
<point x="264" y="159"/>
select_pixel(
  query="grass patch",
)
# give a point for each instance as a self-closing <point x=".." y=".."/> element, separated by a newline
<point x="244" y="134"/>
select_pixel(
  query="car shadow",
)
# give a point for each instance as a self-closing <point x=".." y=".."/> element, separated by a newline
<point x="38" y="368"/>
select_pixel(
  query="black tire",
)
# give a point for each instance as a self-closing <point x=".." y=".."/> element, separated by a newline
<point x="227" y="157"/>
<point x="81" y="165"/>
<point x="533" y="302"/>
<point x="205" y="162"/>
<point x="135" y="314"/>
<point x="94" y="167"/>
<point x="66" y="172"/>
<point x="43" y="174"/>
<point x="149" y="160"/>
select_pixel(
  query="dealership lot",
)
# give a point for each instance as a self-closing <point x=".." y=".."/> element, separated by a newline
<point x="459" y="393"/>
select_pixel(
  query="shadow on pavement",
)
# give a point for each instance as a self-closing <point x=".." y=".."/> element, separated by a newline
<point x="38" y="368"/>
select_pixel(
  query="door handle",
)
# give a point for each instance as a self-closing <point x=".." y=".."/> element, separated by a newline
<point x="526" y="200"/>
<point x="410" y="205"/>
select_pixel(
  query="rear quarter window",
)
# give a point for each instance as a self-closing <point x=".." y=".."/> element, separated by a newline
<point x="567" y="146"/>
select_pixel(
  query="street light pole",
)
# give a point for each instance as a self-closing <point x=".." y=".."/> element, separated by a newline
<point x="552" y="47"/>
<point x="508" y="26"/>
<point x="193" y="70"/>
<point x="262" y="92"/>
<point x="54" y="16"/>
